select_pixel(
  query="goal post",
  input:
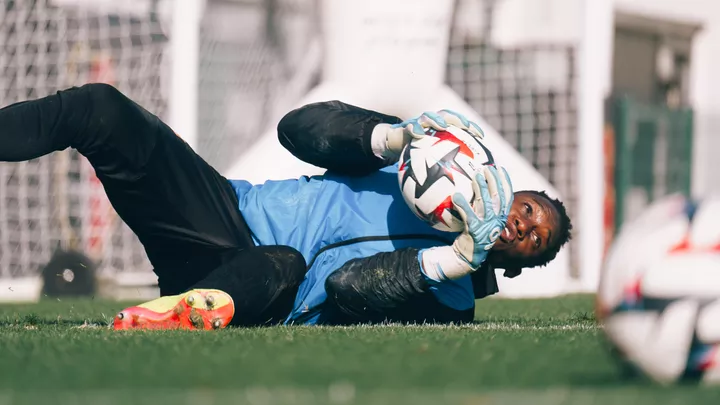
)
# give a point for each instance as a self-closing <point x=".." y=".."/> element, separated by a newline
<point x="183" y="101"/>
<point x="595" y="50"/>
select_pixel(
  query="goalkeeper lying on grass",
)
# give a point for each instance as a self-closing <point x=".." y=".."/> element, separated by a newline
<point x="334" y="249"/>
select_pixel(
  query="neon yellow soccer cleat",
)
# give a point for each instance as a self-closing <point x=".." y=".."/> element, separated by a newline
<point x="195" y="309"/>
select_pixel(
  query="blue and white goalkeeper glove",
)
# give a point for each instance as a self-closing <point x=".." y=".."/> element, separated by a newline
<point x="389" y="140"/>
<point x="484" y="222"/>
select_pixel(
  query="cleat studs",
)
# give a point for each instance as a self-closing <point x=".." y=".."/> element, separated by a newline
<point x="196" y="320"/>
<point x="210" y="301"/>
<point x="216" y="324"/>
<point x="190" y="299"/>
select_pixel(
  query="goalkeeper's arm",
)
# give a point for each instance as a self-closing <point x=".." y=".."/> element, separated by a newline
<point x="354" y="141"/>
<point x="336" y="136"/>
<point x="391" y="287"/>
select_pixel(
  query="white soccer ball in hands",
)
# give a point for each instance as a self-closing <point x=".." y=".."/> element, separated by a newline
<point x="659" y="295"/>
<point x="433" y="168"/>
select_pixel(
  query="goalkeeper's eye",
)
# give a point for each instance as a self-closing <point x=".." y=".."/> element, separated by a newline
<point x="536" y="240"/>
<point x="528" y="209"/>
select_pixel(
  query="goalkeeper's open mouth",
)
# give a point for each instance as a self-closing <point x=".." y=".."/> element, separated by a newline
<point x="508" y="235"/>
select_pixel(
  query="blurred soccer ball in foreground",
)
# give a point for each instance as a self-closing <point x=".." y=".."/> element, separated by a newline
<point x="434" y="168"/>
<point x="659" y="295"/>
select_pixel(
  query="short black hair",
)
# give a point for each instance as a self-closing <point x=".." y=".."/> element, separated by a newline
<point x="563" y="237"/>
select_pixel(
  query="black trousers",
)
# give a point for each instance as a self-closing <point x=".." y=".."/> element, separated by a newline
<point x="182" y="210"/>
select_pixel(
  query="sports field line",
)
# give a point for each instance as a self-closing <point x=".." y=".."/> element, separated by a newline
<point x="496" y="326"/>
<point x="489" y="326"/>
<point x="502" y="326"/>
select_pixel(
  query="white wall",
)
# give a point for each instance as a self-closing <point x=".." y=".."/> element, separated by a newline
<point x="519" y="22"/>
<point x="703" y="88"/>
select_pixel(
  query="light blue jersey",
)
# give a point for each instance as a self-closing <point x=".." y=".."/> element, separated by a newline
<point x="332" y="219"/>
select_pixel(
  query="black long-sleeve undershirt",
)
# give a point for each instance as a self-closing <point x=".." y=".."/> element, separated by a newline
<point x="385" y="287"/>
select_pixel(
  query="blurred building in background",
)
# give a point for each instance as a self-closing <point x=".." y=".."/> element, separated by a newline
<point x="610" y="100"/>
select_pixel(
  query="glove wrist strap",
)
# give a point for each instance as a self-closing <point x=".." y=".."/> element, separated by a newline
<point x="442" y="263"/>
<point x="387" y="142"/>
<point x="379" y="142"/>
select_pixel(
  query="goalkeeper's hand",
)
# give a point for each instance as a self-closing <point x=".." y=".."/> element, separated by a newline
<point x="399" y="135"/>
<point x="484" y="222"/>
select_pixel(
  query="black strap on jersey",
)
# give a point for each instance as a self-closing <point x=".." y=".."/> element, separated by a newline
<point x="376" y="239"/>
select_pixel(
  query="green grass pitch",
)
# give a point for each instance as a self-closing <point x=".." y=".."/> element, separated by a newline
<point x="519" y="352"/>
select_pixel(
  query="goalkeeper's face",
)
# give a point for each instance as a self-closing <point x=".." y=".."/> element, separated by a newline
<point x="531" y="229"/>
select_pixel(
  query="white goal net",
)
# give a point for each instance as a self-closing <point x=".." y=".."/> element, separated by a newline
<point x="526" y="92"/>
<point x="55" y="201"/>
<point x="256" y="58"/>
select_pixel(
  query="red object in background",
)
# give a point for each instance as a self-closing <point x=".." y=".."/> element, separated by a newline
<point x="102" y="71"/>
<point x="609" y="214"/>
